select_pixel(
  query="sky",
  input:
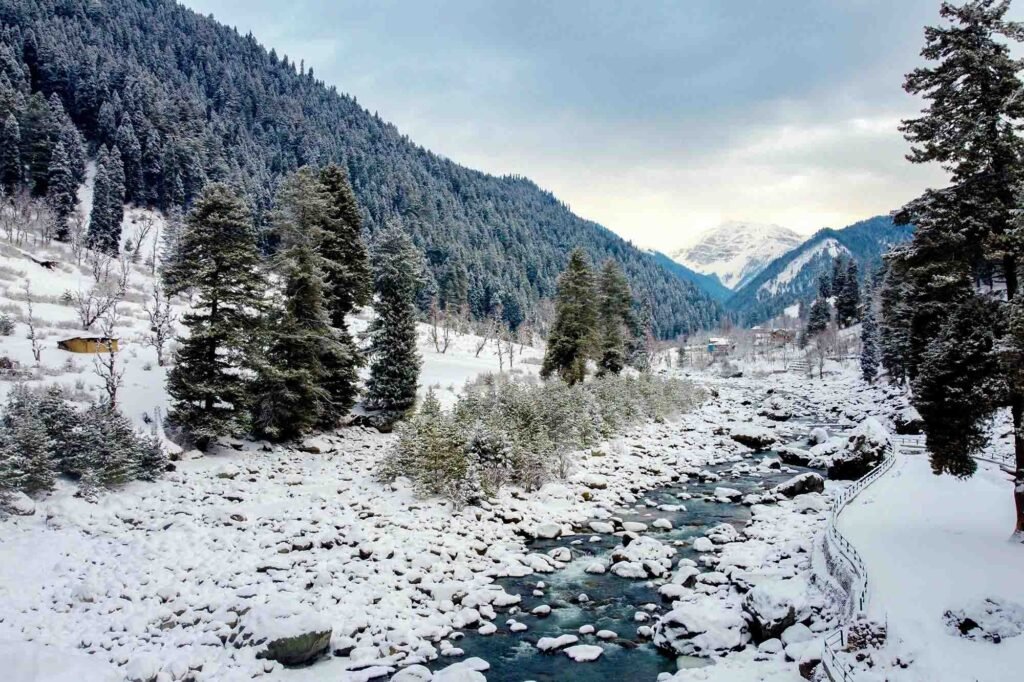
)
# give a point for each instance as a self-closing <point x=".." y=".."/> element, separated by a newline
<point x="655" y="119"/>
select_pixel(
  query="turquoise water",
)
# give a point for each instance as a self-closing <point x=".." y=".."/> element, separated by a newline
<point x="613" y="601"/>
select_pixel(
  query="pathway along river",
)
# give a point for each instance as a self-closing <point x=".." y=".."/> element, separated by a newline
<point x="613" y="602"/>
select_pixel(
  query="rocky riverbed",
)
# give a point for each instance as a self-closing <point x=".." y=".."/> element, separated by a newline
<point x="252" y="558"/>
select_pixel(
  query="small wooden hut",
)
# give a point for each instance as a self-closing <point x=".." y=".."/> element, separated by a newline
<point x="88" y="344"/>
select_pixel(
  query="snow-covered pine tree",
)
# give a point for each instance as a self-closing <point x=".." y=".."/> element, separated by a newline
<point x="115" y="198"/>
<point x="63" y="424"/>
<point x="348" y="283"/>
<point x="394" y="360"/>
<point x="29" y="438"/>
<point x="118" y="458"/>
<point x="965" y="233"/>
<point x="289" y="393"/>
<point x="100" y="218"/>
<point x="869" y="341"/>
<point x="571" y="340"/>
<point x="219" y="261"/>
<point x="848" y="297"/>
<point x="820" y="314"/>
<point x="348" y="266"/>
<point x="10" y="154"/>
<point x="615" y="307"/>
<point x="62" y="190"/>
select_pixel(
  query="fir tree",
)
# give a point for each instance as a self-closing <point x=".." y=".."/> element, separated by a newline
<point x="869" y="341"/>
<point x="62" y="190"/>
<point x="10" y="154"/>
<point x="290" y="392"/>
<point x="965" y="233"/>
<point x="848" y="296"/>
<point x="571" y="341"/>
<point x="615" y="308"/>
<point x="348" y="266"/>
<point x="394" y="359"/>
<point x="29" y="438"/>
<point x="99" y="236"/>
<point x="219" y="261"/>
<point x="820" y="314"/>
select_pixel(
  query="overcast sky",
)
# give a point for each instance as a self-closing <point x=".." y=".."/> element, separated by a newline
<point x="656" y="119"/>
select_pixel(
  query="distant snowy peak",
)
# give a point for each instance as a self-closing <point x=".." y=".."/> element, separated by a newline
<point x="828" y="248"/>
<point x="737" y="251"/>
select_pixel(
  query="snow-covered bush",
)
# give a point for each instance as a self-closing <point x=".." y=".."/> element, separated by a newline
<point x="520" y="431"/>
<point x="43" y="435"/>
<point x="6" y="325"/>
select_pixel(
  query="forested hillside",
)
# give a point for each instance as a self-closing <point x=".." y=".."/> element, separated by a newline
<point x="185" y="101"/>
<point x="793" y="277"/>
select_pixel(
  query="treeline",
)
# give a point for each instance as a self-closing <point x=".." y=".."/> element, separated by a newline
<point x="168" y="101"/>
<point x="952" y="309"/>
<point x="269" y="351"/>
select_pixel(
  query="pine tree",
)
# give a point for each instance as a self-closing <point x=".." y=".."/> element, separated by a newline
<point x="965" y="233"/>
<point x="131" y="154"/>
<point x="290" y="396"/>
<point x="100" y="218"/>
<point x="848" y="296"/>
<point x="394" y="359"/>
<point x="348" y="270"/>
<point x="571" y="341"/>
<point x="219" y="261"/>
<point x="615" y="308"/>
<point x="869" y="341"/>
<point x="62" y="190"/>
<point x="10" y="154"/>
<point x="820" y="314"/>
<point x="29" y="437"/>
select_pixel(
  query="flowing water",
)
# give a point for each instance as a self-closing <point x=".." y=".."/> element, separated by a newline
<point x="612" y="601"/>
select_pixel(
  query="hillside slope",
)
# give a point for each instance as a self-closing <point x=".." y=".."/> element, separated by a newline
<point x="187" y="100"/>
<point x="793" y="277"/>
<point x="709" y="284"/>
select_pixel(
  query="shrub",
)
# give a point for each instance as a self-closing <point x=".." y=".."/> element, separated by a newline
<point x="514" y="431"/>
<point x="42" y="434"/>
<point x="6" y="325"/>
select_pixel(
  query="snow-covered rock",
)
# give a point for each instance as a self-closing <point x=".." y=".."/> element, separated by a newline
<point x="643" y="557"/>
<point x="701" y="628"/>
<point x="751" y="435"/>
<point x="555" y="643"/>
<point x="582" y="653"/>
<point x="990" y="619"/>
<point x="774" y="606"/>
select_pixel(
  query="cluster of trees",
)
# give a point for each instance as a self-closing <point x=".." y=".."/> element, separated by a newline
<point x="953" y="312"/>
<point x="841" y="286"/>
<point x="504" y="431"/>
<point x="268" y="349"/>
<point x="595" y="321"/>
<point x="43" y="435"/>
<point x="177" y="101"/>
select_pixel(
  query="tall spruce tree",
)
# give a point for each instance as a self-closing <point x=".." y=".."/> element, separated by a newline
<point x="820" y="314"/>
<point x="394" y="359"/>
<point x="572" y="338"/>
<point x="348" y="265"/>
<point x="848" y="297"/>
<point x="962" y="370"/>
<point x="302" y="382"/>
<point x="615" y="306"/>
<point x="62" y="190"/>
<point x="99" y="236"/>
<point x="869" y="338"/>
<point x="218" y="260"/>
<point x="10" y="154"/>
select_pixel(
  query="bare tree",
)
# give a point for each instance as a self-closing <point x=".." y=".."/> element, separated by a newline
<point x="37" y="348"/>
<point x="110" y="285"/>
<point x="137" y="238"/>
<point x="105" y="363"/>
<point x="77" y="229"/>
<point x="440" y="331"/>
<point x="484" y="330"/>
<point x="505" y="341"/>
<point x="161" y="322"/>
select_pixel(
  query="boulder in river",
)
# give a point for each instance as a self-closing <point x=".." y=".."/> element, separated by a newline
<point x="772" y="607"/>
<point x="800" y="484"/>
<point x="294" y="634"/>
<point x="756" y="437"/>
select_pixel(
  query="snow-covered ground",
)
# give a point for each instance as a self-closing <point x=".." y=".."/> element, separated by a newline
<point x="934" y="544"/>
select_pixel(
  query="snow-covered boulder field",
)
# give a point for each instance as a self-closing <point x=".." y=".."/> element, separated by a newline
<point x="863" y="450"/>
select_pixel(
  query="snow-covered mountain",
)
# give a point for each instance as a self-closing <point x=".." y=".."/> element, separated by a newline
<point x="792" y="277"/>
<point x="736" y="251"/>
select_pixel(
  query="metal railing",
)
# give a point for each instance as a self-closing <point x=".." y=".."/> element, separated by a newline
<point x="835" y="545"/>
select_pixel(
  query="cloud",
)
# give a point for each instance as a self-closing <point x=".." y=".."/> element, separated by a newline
<point x="655" y="118"/>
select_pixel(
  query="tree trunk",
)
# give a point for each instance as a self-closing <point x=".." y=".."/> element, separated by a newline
<point x="1017" y="409"/>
